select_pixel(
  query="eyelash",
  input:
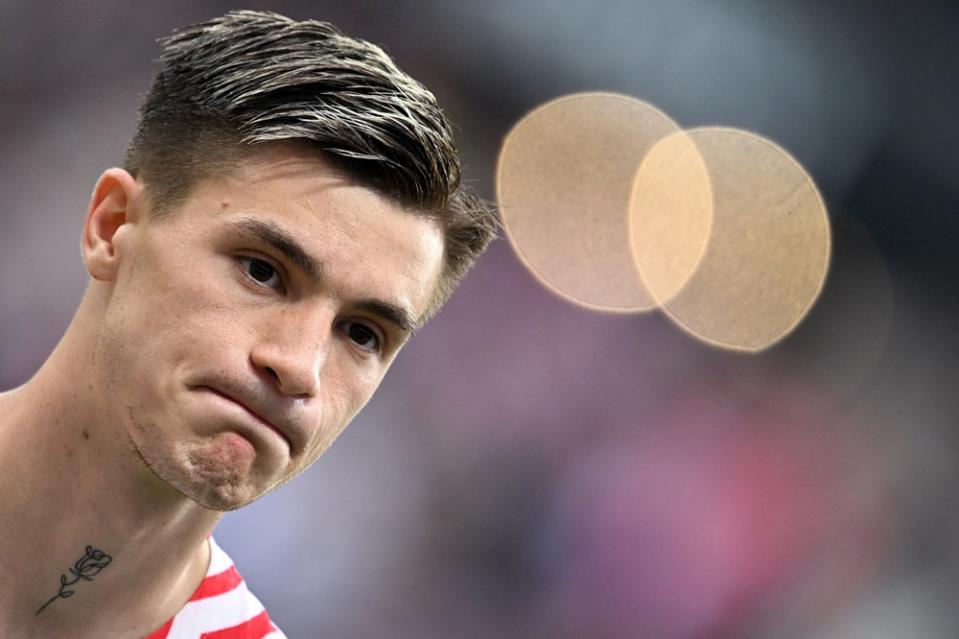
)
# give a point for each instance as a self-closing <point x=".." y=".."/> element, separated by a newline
<point x="247" y="261"/>
<point x="378" y="346"/>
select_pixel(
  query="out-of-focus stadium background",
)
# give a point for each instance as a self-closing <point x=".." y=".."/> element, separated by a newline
<point x="533" y="469"/>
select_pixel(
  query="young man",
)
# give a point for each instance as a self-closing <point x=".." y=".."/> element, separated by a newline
<point x="288" y="214"/>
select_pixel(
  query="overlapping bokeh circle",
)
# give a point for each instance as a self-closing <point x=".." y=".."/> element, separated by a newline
<point x="612" y="206"/>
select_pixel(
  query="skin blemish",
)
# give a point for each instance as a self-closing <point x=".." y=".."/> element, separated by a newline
<point x="86" y="434"/>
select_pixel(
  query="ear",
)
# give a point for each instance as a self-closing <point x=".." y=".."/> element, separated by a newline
<point x="114" y="209"/>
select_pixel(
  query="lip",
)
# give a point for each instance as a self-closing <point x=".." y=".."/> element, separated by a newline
<point x="257" y="416"/>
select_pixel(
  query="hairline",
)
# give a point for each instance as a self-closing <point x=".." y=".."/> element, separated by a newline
<point x="244" y="152"/>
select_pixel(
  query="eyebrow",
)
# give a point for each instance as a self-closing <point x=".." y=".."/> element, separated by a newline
<point x="282" y="242"/>
<point x="391" y="313"/>
<point x="286" y="244"/>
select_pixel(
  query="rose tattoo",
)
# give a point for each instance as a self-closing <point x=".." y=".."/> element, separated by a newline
<point x="86" y="568"/>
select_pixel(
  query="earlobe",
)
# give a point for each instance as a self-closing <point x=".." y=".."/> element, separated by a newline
<point x="113" y="208"/>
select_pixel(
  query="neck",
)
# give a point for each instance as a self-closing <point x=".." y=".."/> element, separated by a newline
<point x="81" y="513"/>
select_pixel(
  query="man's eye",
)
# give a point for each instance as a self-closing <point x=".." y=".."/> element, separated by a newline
<point x="261" y="271"/>
<point x="362" y="335"/>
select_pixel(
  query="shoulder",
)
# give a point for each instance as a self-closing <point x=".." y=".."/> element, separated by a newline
<point x="222" y="607"/>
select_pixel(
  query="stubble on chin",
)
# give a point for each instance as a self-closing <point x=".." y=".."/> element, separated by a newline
<point x="219" y="480"/>
<point x="208" y="478"/>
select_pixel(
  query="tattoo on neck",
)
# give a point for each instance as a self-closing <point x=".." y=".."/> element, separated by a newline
<point x="86" y="568"/>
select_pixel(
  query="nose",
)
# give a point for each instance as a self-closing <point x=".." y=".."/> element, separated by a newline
<point x="291" y="350"/>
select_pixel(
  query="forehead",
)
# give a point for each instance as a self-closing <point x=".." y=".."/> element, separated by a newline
<point x="367" y="246"/>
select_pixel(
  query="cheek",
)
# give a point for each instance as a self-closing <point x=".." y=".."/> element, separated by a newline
<point x="160" y="323"/>
<point x="340" y="400"/>
<point x="345" y="400"/>
<point x="349" y="387"/>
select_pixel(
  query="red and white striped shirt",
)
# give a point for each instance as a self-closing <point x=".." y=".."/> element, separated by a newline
<point x="220" y="608"/>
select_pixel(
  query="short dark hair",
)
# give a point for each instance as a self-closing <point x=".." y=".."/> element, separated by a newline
<point x="249" y="78"/>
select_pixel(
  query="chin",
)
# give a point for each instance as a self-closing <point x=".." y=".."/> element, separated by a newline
<point x="221" y="498"/>
<point x="219" y="493"/>
<point x="212" y="476"/>
<point x="220" y="484"/>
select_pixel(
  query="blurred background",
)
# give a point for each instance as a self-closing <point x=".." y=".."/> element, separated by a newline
<point x="533" y="469"/>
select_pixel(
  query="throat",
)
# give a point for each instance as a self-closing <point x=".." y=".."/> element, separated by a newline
<point x="87" y="547"/>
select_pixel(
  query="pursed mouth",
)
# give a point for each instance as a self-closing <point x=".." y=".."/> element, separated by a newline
<point x="251" y="412"/>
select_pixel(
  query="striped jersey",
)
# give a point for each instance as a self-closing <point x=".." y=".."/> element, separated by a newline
<point x="220" y="608"/>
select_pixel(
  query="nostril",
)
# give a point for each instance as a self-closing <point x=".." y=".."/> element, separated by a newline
<point x="273" y="373"/>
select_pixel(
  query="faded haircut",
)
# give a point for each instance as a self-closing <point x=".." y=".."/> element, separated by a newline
<point x="250" y="78"/>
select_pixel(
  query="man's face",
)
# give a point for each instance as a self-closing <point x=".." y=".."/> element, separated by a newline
<point x="244" y="331"/>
